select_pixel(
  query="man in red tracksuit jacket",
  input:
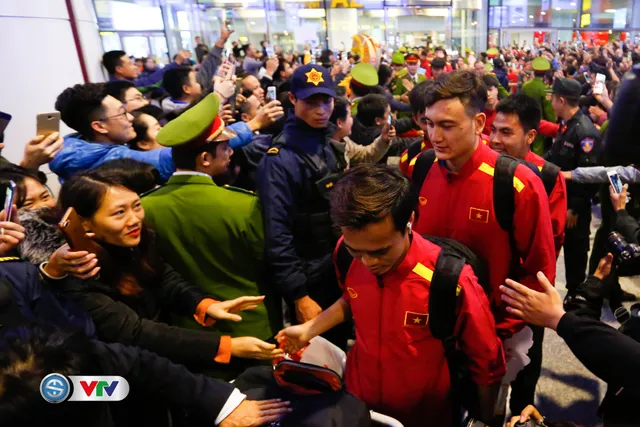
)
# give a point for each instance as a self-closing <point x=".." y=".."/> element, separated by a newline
<point x="514" y="129"/>
<point x="456" y="199"/>
<point x="513" y="132"/>
<point x="396" y="366"/>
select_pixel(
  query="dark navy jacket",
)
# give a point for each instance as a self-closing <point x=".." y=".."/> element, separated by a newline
<point x="36" y="302"/>
<point x="285" y="188"/>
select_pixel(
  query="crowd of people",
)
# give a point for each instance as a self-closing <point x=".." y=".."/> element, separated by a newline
<point x="234" y="207"/>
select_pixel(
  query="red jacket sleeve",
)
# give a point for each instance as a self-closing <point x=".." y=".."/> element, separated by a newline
<point x="534" y="241"/>
<point x="558" y="206"/>
<point x="476" y="328"/>
<point x="404" y="163"/>
<point x="548" y="129"/>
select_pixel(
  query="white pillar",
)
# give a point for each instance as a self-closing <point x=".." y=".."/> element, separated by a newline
<point x="343" y="24"/>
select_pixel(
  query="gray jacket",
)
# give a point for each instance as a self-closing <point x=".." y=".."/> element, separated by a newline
<point x="598" y="174"/>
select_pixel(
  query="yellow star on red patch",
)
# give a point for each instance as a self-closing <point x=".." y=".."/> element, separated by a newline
<point x="314" y="76"/>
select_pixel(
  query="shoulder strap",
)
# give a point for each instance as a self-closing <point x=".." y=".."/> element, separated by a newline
<point x="443" y="296"/>
<point x="313" y="161"/>
<point x="422" y="167"/>
<point x="549" y="176"/>
<point x="414" y="149"/>
<point x="504" y="201"/>
<point x="343" y="261"/>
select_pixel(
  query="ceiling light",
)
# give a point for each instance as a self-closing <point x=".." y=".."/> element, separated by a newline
<point x="557" y="8"/>
<point x="253" y="22"/>
<point x="543" y="13"/>
<point x="573" y="3"/>
<point x="521" y="19"/>
<point x="530" y="16"/>
<point x="610" y="11"/>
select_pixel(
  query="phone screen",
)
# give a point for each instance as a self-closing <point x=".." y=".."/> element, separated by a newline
<point x="389" y="119"/>
<point x="614" y="178"/>
<point x="9" y="196"/>
<point x="598" y="88"/>
<point x="271" y="93"/>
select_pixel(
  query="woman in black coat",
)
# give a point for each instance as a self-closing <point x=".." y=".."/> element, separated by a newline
<point x="133" y="290"/>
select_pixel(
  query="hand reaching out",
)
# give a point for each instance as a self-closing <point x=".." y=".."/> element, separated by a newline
<point x="538" y="308"/>
<point x="224" y="310"/>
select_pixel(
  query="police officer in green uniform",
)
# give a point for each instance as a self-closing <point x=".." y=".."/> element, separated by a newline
<point x="412" y="60"/>
<point x="539" y="90"/>
<point x="213" y="236"/>
<point x="577" y="145"/>
<point x="364" y="77"/>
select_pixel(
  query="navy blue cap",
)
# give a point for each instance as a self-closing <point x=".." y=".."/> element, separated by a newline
<point x="311" y="79"/>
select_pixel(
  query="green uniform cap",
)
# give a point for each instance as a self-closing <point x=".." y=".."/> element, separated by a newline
<point x="541" y="64"/>
<point x="198" y="125"/>
<point x="397" y="58"/>
<point x="365" y="74"/>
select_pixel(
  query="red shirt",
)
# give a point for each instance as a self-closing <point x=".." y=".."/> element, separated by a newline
<point x="460" y="206"/>
<point x="557" y="203"/>
<point x="396" y="366"/>
<point x="491" y="116"/>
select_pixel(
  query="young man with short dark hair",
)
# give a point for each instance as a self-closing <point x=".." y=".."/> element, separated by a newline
<point x="127" y="93"/>
<point x="513" y="131"/>
<point x="182" y="87"/>
<point x="120" y="67"/>
<point x="456" y="197"/>
<point x="104" y="127"/>
<point x="397" y="366"/>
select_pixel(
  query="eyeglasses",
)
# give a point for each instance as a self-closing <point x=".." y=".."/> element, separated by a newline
<point x="117" y="116"/>
<point x="138" y="97"/>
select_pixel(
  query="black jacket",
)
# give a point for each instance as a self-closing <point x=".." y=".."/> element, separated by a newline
<point x="611" y="355"/>
<point x="157" y="383"/>
<point x="138" y="320"/>
<point x="577" y="145"/>
<point x="627" y="226"/>
<point x="624" y="122"/>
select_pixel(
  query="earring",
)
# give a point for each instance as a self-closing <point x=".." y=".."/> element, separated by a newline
<point x="409" y="226"/>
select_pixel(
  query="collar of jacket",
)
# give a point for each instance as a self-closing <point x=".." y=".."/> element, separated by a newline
<point x="298" y="132"/>
<point x="479" y="156"/>
<point x="190" y="179"/>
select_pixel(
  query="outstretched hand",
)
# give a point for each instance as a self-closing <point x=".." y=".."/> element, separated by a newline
<point x="538" y="308"/>
<point x="224" y="310"/>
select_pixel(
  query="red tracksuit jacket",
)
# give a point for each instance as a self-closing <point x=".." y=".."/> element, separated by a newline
<point x="460" y="206"/>
<point x="557" y="203"/>
<point x="396" y="366"/>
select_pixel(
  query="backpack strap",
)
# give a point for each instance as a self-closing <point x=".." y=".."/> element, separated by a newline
<point x="414" y="149"/>
<point x="343" y="261"/>
<point x="443" y="313"/>
<point x="549" y="173"/>
<point x="313" y="161"/>
<point x="504" y="201"/>
<point x="422" y="167"/>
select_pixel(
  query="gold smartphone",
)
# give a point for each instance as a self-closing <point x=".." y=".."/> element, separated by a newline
<point x="47" y="123"/>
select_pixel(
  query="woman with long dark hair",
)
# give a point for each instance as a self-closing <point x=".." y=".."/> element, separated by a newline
<point x="136" y="289"/>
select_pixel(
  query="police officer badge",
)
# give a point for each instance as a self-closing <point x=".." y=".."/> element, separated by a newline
<point x="587" y="145"/>
<point x="314" y="76"/>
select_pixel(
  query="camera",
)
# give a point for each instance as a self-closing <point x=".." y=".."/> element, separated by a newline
<point x="530" y="423"/>
<point x="626" y="255"/>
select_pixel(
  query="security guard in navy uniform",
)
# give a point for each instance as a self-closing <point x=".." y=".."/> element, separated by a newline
<point x="577" y="145"/>
<point x="295" y="178"/>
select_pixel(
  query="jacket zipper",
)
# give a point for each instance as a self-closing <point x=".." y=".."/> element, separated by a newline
<point x="381" y="288"/>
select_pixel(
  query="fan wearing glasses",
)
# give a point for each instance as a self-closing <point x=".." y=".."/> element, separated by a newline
<point x="127" y="93"/>
<point x="103" y="127"/>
